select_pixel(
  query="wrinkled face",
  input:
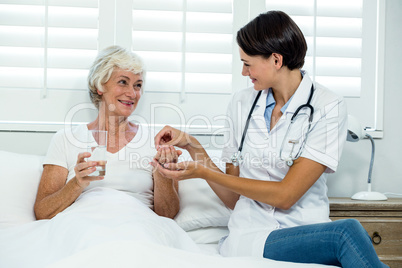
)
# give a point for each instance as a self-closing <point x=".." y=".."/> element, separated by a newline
<point x="260" y="70"/>
<point x="122" y="92"/>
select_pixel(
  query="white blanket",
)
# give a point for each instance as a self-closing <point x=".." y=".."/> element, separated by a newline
<point x="128" y="254"/>
<point x="107" y="228"/>
<point x="98" y="216"/>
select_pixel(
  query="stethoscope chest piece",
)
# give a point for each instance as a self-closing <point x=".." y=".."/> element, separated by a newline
<point x="236" y="158"/>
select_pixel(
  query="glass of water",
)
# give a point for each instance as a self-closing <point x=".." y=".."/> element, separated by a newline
<point x="97" y="145"/>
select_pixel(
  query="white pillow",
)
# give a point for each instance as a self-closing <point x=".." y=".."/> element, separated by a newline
<point x="208" y="235"/>
<point x="200" y="207"/>
<point x="19" y="180"/>
<point x="20" y="176"/>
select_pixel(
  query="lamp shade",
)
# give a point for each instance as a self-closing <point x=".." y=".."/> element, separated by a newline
<point x="355" y="130"/>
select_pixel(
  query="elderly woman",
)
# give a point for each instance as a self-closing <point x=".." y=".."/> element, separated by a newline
<point x="115" y="84"/>
<point x="83" y="211"/>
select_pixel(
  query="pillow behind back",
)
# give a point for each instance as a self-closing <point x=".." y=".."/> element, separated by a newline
<point x="19" y="180"/>
<point x="200" y="207"/>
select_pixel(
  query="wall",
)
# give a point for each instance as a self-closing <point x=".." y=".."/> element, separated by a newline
<point x="351" y="176"/>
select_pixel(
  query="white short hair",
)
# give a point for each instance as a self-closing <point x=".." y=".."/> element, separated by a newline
<point x="105" y="63"/>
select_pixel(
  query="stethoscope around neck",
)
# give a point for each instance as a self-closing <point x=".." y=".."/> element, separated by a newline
<point x="237" y="157"/>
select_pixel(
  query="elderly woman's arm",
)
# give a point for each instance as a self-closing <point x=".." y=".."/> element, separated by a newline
<point x="54" y="194"/>
<point x="166" y="197"/>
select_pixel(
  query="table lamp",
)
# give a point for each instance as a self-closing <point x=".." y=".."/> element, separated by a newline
<point x="356" y="133"/>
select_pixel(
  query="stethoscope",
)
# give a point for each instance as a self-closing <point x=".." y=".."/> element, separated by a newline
<point x="237" y="157"/>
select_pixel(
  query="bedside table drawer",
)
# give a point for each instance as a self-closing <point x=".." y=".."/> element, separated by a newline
<point x="382" y="221"/>
<point x="386" y="233"/>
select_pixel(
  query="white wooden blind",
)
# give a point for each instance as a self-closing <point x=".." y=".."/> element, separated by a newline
<point x="193" y="66"/>
<point x="333" y="31"/>
<point x="342" y="50"/>
<point x="46" y="48"/>
<point x="57" y="39"/>
<point x="187" y="45"/>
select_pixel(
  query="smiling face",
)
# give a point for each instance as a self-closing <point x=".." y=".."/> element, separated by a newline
<point x="122" y="92"/>
<point x="260" y="70"/>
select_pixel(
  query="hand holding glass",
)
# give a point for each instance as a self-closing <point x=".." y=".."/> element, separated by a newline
<point x="97" y="145"/>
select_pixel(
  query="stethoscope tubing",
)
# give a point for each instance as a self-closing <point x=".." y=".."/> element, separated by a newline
<point x="248" y="121"/>
<point x="306" y="105"/>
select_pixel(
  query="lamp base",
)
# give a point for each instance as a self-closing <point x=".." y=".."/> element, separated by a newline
<point x="373" y="196"/>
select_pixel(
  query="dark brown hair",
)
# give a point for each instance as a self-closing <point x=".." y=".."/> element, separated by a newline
<point x="274" y="32"/>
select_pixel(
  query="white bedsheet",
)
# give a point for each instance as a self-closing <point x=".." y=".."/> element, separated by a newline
<point x="107" y="228"/>
<point x="127" y="254"/>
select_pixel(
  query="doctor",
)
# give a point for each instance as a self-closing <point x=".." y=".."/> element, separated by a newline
<point x="284" y="136"/>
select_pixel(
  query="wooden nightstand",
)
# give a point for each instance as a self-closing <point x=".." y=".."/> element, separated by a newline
<point x="381" y="219"/>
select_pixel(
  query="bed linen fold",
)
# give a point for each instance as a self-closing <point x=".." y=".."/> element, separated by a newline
<point x="128" y="254"/>
<point x="107" y="228"/>
<point x="98" y="216"/>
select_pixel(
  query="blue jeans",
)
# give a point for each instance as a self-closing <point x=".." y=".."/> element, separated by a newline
<point x="342" y="243"/>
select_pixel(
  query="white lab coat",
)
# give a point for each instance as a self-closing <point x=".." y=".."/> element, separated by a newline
<point x="251" y="222"/>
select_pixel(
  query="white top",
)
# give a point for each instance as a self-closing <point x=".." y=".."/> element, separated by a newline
<point x="127" y="170"/>
<point x="251" y="222"/>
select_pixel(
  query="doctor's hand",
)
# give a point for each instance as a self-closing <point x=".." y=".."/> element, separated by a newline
<point x="83" y="169"/>
<point x="167" y="154"/>
<point x="180" y="171"/>
<point x="171" y="136"/>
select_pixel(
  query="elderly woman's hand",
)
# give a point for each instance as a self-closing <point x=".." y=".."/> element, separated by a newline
<point x="167" y="154"/>
<point x="84" y="168"/>
<point x="180" y="171"/>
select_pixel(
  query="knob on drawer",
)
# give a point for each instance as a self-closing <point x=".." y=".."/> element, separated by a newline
<point x="376" y="238"/>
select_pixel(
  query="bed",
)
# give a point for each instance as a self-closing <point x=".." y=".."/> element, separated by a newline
<point x="108" y="228"/>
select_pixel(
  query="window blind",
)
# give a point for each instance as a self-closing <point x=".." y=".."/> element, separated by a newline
<point x="333" y="31"/>
<point x="67" y="33"/>
<point x="193" y="66"/>
<point x="342" y="38"/>
<point x="187" y="45"/>
<point x="45" y="45"/>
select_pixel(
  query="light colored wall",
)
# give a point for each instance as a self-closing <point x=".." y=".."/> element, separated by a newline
<point x="351" y="176"/>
